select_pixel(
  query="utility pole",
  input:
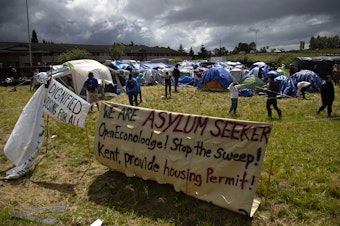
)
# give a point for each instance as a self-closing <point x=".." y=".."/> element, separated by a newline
<point x="28" y="34"/>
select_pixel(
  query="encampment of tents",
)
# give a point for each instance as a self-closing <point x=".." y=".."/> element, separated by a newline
<point x="215" y="79"/>
<point x="74" y="74"/>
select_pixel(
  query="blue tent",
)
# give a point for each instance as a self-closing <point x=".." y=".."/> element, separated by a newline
<point x="286" y="85"/>
<point x="216" y="79"/>
<point x="308" y="76"/>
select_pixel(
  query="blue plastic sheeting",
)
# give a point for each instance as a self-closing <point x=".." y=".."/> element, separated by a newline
<point x="218" y="75"/>
<point x="121" y="65"/>
<point x="286" y="85"/>
<point x="273" y="74"/>
<point x="308" y="76"/>
<point x="255" y="71"/>
<point x="259" y="64"/>
<point x="155" y="66"/>
<point x="187" y="81"/>
<point x="246" y="92"/>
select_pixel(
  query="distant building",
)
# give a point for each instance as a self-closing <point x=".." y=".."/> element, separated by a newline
<point x="16" y="54"/>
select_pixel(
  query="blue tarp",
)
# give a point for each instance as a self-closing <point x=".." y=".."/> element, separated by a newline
<point x="308" y="76"/>
<point x="219" y="75"/>
<point x="246" y="92"/>
<point x="286" y="85"/>
<point x="155" y="66"/>
<point x="187" y="81"/>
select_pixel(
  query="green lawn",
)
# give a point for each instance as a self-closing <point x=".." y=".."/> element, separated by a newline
<point x="302" y="156"/>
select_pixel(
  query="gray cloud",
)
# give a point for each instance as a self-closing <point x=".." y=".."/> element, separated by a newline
<point x="192" y="23"/>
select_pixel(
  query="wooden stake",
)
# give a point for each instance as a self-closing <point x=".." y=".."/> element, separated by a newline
<point x="270" y="173"/>
<point x="88" y="143"/>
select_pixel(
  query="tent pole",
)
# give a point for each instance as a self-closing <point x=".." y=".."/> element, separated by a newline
<point x="88" y="144"/>
<point x="47" y="120"/>
<point x="273" y="91"/>
<point x="268" y="183"/>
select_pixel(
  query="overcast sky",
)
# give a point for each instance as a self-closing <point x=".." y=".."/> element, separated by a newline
<point x="192" y="23"/>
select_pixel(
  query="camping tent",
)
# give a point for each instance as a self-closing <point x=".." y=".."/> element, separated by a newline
<point x="237" y="73"/>
<point x="78" y="71"/>
<point x="308" y="76"/>
<point x="253" y="82"/>
<point x="117" y="78"/>
<point x="285" y="85"/>
<point x="216" y="79"/>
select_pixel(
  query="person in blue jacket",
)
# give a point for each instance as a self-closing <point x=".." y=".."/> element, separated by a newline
<point x="91" y="85"/>
<point x="132" y="90"/>
<point x="139" y="80"/>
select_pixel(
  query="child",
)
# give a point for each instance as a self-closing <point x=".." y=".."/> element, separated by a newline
<point x="233" y="88"/>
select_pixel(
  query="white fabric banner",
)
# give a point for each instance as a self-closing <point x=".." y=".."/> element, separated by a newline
<point x="27" y="136"/>
<point x="24" y="143"/>
<point x="217" y="160"/>
<point x="65" y="105"/>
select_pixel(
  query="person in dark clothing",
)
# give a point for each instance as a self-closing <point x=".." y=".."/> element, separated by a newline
<point x="327" y="95"/>
<point x="167" y="81"/>
<point x="91" y="85"/>
<point x="176" y="74"/>
<point x="132" y="90"/>
<point x="271" y="100"/>
<point x="260" y="73"/>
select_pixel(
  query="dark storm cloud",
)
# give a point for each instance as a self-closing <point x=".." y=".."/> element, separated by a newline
<point x="190" y="23"/>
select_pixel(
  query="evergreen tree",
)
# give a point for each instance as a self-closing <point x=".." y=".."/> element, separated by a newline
<point x="34" y="38"/>
<point x="192" y="54"/>
<point x="180" y="49"/>
<point x="204" y="53"/>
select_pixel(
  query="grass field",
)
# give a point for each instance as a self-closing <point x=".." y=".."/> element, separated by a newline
<point x="67" y="184"/>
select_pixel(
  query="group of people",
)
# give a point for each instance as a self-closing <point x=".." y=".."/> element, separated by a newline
<point x="326" y="90"/>
<point x="167" y="81"/>
<point x="133" y="90"/>
<point x="133" y="86"/>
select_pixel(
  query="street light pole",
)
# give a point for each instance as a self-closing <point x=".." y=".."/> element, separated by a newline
<point x="28" y="34"/>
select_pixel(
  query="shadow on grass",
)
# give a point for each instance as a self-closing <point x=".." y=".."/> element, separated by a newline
<point x="155" y="201"/>
<point x="65" y="188"/>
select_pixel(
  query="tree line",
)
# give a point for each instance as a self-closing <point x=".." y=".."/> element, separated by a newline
<point x="117" y="49"/>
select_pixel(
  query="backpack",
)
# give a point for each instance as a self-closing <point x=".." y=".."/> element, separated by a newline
<point x="130" y="84"/>
<point x="90" y="86"/>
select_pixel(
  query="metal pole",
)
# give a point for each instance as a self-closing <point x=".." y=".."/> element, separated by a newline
<point x="28" y="35"/>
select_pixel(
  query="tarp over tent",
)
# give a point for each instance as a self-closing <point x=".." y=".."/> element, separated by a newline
<point x="215" y="79"/>
<point x="286" y="86"/>
<point x="78" y="70"/>
<point x="253" y="82"/>
<point x="308" y="76"/>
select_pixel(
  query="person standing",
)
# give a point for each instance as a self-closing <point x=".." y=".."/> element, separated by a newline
<point x="271" y="100"/>
<point x="234" y="88"/>
<point x="132" y="90"/>
<point x="34" y="82"/>
<point x="327" y="95"/>
<point x="91" y="85"/>
<point x="167" y="82"/>
<point x="139" y="80"/>
<point x="176" y="75"/>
